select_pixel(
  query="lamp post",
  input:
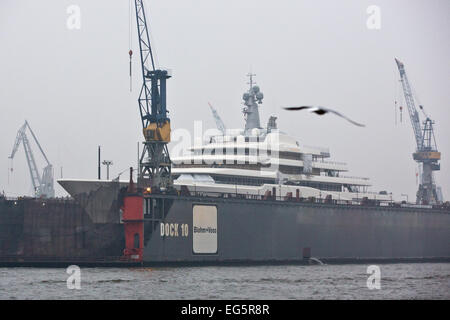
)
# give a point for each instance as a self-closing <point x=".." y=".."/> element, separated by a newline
<point x="107" y="163"/>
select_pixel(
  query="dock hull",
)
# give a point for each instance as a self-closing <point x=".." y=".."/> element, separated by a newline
<point x="276" y="231"/>
<point x="50" y="232"/>
<point x="209" y="230"/>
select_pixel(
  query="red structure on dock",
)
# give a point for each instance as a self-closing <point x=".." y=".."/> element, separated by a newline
<point x="133" y="220"/>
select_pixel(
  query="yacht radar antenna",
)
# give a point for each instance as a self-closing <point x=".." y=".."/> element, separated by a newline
<point x="251" y="83"/>
<point x="252" y="99"/>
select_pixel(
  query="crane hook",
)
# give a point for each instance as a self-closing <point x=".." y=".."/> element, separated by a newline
<point x="130" y="54"/>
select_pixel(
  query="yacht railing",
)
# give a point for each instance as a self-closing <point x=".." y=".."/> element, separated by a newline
<point x="321" y="149"/>
<point x="331" y="162"/>
<point x="351" y="177"/>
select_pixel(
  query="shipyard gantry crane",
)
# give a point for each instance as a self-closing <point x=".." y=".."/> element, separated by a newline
<point x="155" y="164"/>
<point x="426" y="153"/>
<point x="43" y="185"/>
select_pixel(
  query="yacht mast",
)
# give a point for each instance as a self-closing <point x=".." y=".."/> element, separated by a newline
<point x="252" y="99"/>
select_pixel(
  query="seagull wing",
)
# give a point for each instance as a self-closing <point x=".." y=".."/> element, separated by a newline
<point x="342" y="116"/>
<point x="323" y="110"/>
<point x="297" y="108"/>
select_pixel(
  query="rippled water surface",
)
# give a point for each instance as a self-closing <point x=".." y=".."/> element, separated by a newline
<point x="398" y="281"/>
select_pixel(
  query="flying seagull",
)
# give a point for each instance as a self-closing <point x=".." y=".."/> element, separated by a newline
<point x="321" y="111"/>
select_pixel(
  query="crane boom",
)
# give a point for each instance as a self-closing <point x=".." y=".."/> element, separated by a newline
<point x="426" y="153"/>
<point x="413" y="114"/>
<point x="36" y="180"/>
<point x="219" y="123"/>
<point x="18" y="141"/>
<point x="37" y="142"/>
<point x="147" y="61"/>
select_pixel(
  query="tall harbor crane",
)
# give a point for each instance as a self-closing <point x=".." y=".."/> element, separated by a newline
<point x="43" y="185"/>
<point x="219" y="123"/>
<point x="426" y="153"/>
<point x="155" y="164"/>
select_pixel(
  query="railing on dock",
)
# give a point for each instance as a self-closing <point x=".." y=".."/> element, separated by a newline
<point x="328" y="200"/>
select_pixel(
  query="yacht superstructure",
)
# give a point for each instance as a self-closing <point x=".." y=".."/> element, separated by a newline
<point x="255" y="160"/>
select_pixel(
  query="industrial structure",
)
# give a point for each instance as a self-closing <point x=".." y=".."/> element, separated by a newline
<point x="427" y="154"/>
<point x="107" y="163"/>
<point x="43" y="185"/>
<point x="155" y="168"/>
<point x="219" y="123"/>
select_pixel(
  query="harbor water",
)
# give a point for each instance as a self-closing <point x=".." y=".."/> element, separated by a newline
<point x="396" y="281"/>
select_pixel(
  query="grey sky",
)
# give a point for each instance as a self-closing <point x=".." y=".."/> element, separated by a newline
<point x="73" y="86"/>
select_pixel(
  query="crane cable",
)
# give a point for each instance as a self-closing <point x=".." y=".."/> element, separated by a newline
<point x="414" y="92"/>
<point x="400" y="100"/>
<point x="396" y="99"/>
<point x="130" y="38"/>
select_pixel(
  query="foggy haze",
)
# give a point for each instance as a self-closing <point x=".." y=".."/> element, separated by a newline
<point x="73" y="85"/>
